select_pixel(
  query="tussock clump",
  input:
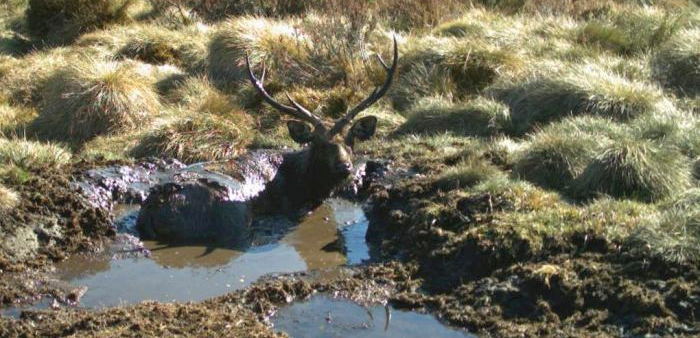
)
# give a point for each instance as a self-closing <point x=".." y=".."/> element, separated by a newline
<point x="677" y="63"/>
<point x="62" y="21"/>
<point x="95" y="98"/>
<point x="478" y="117"/>
<point x="696" y="169"/>
<point x="14" y="118"/>
<point x="503" y="151"/>
<point x="185" y="48"/>
<point x="675" y="129"/>
<point x="8" y="199"/>
<point x="636" y="169"/>
<point x="23" y="83"/>
<point x="674" y="234"/>
<point x="660" y="126"/>
<point x="475" y="64"/>
<point x="273" y="41"/>
<point x="198" y="95"/>
<point x="199" y="137"/>
<point x="580" y="90"/>
<point x="497" y="29"/>
<point x="630" y="30"/>
<point x="448" y="67"/>
<point x="468" y="173"/>
<point x="555" y="156"/>
<point x="421" y="72"/>
<point x="32" y="155"/>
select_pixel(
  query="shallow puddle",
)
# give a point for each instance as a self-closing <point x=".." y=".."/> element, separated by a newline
<point x="322" y="316"/>
<point x="194" y="273"/>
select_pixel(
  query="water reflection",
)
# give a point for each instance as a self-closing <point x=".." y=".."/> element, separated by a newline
<point x="322" y="316"/>
<point x="193" y="273"/>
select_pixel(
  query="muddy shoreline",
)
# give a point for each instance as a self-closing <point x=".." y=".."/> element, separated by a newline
<point x="491" y="282"/>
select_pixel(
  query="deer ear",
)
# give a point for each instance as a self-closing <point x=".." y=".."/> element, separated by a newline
<point x="364" y="128"/>
<point x="299" y="131"/>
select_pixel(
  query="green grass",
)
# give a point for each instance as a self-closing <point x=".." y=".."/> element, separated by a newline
<point x="467" y="173"/>
<point x="635" y="169"/>
<point x="555" y="156"/>
<point x="576" y="90"/>
<point x="674" y="234"/>
<point x="28" y="155"/>
<point x="479" y="117"/>
<point x="629" y="31"/>
<point x="677" y="63"/>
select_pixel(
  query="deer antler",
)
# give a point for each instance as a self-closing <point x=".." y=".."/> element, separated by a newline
<point x="304" y="114"/>
<point x="372" y="98"/>
<point x="296" y="110"/>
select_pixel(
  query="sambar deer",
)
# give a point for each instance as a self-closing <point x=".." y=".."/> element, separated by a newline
<point x="193" y="206"/>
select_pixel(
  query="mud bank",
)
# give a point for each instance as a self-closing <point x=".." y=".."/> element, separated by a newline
<point x="241" y="313"/>
<point x="51" y="222"/>
<point x="489" y="278"/>
<point x="455" y="261"/>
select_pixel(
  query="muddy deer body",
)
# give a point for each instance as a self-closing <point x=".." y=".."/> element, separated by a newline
<point x="193" y="207"/>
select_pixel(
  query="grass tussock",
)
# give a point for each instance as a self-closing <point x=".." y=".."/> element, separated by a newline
<point x="22" y="80"/>
<point x="276" y="42"/>
<point x="677" y="129"/>
<point x="62" y="21"/>
<point x="467" y="173"/>
<point x="676" y="64"/>
<point x="674" y="234"/>
<point x="586" y="89"/>
<point x="479" y="117"/>
<point x="198" y="137"/>
<point x="449" y="67"/>
<point x="635" y="169"/>
<point x="555" y="156"/>
<point x="185" y="47"/>
<point x="198" y="95"/>
<point x="14" y="119"/>
<point x="629" y="30"/>
<point x="29" y="155"/>
<point x="93" y="98"/>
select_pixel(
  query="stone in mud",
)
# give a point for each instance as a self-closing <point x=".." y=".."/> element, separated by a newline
<point x="194" y="209"/>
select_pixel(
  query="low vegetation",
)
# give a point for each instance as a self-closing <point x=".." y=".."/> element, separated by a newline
<point x="62" y="21"/>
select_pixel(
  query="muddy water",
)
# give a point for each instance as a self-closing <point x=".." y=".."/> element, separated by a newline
<point x="192" y="273"/>
<point x="322" y="316"/>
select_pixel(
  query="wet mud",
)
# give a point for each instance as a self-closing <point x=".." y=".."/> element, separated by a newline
<point x="492" y="282"/>
<point x="487" y="278"/>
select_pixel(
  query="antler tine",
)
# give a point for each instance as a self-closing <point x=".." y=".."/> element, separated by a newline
<point x="297" y="111"/>
<point x="376" y="94"/>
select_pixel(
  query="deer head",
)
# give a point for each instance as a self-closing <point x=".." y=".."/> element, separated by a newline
<point x="328" y="156"/>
